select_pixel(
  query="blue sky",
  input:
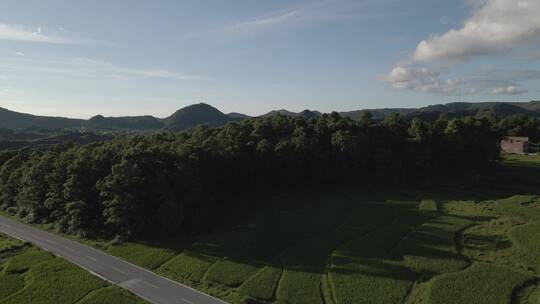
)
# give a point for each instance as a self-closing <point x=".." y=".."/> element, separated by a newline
<point x="131" y="57"/>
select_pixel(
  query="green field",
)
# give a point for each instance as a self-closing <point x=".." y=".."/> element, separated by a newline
<point x="31" y="276"/>
<point x="522" y="160"/>
<point x="446" y="244"/>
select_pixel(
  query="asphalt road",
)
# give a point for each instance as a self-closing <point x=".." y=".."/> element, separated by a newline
<point x="144" y="283"/>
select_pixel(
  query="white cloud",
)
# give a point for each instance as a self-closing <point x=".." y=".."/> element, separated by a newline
<point x="413" y="77"/>
<point x="312" y="13"/>
<point x="496" y="26"/>
<point x="261" y="22"/>
<point x="509" y="90"/>
<point x="421" y="79"/>
<point x="86" y="67"/>
<point x="22" y="33"/>
<point x="19" y="54"/>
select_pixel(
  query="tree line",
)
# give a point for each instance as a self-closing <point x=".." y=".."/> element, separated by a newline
<point x="172" y="183"/>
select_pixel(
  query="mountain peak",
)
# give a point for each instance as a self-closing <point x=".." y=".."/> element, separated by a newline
<point x="193" y="115"/>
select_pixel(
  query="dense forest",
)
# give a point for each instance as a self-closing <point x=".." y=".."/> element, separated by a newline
<point x="172" y="183"/>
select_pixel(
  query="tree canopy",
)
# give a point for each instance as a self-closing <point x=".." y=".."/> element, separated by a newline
<point x="169" y="183"/>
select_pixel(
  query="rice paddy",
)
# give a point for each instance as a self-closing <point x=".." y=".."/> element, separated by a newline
<point x="31" y="276"/>
<point x="372" y="246"/>
<point x="448" y="244"/>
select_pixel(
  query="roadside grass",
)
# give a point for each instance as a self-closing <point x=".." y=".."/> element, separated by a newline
<point x="448" y="245"/>
<point x="263" y="284"/>
<point x="31" y="276"/>
<point x="147" y="255"/>
<point x="187" y="267"/>
<point x="10" y="284"/>
<point x="480" y="284"/>
<point x="7" y="244"/>
<point x="55" y="281"/>
<point x="25" y="261"/>
<point x="110" y="295"/>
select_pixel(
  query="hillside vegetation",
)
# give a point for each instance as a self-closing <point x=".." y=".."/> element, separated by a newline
<point x="14" y="120"/>
<point x="204" y="114"/>
<point x="32" y="276"/>
<point x="288" y="209"/>
<point x="185" y="118"/>
<point x="170" y="184"/>
<point x="448" y="244"/>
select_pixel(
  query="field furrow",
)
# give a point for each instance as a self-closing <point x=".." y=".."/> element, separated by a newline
<point x="367" y="269"/>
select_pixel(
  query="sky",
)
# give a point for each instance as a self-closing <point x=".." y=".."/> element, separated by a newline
<point x="135" y="57"/>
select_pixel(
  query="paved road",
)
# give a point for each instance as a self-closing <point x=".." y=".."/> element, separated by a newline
<point x="145" y="284"/>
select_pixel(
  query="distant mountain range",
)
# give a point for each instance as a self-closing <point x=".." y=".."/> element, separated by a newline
<point x="185" y="118"/>
<point x="204" y="114"/>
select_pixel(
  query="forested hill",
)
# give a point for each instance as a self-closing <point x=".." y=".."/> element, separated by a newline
<point x="172" y="183"/>
<point x="456" y="110"/>
<point x="15" y="120"/>
<point x="185" y="118"/>
<point x="197" y="114"/>
<point x="204" y="114"/>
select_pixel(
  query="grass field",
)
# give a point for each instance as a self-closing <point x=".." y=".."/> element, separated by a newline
<point x="372" y="246"/>
<point x="522" y="160"/>
<point x="444" y="244"/>
<point x="32" y="276"/>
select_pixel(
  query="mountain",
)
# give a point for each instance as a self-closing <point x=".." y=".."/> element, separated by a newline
<point x="480" y="109"/>
<point x="533" y="105"/>
<point x="305" y="113"/>
<point x="280" y="112"/>
<point x="197" y="114"/>
<point x="455" y="109"/>
<point x="377" y="113"/>
<point x="204" y="114"/>
<point x="238" y="116"/>
<point x="183" y="119"/>
<point x="141" y="123"/>
<point x="15" y="120"/>
<point x="310" y="114"/>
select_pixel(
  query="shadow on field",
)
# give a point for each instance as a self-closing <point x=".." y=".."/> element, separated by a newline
<point x="302" y="231"/>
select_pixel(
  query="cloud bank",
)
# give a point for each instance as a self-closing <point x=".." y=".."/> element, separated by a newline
<point x="509" y="90"/>
<point x="417" y="78"/>
<point x="17" y="32"/>
<point x="496" y="26"/>
<point x="87" y="67"/>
